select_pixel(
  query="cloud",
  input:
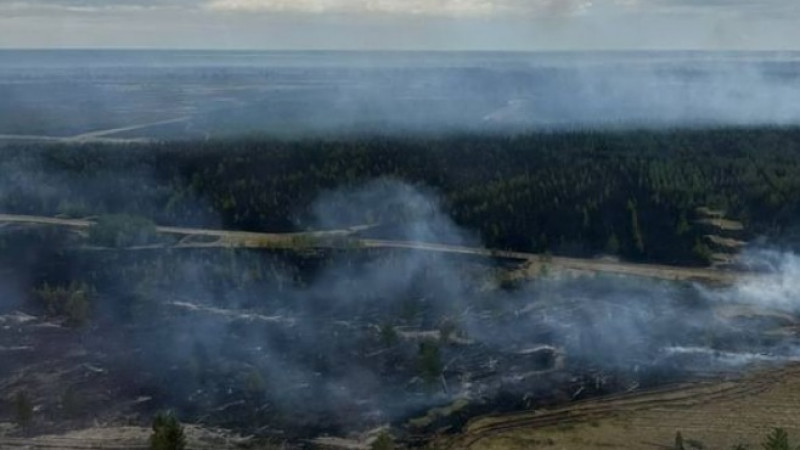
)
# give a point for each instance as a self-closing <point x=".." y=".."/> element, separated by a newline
<point x="404" y="7"/>
<point x="508" y="7"/>
<point x="454" y="8"/>
<point x="522" y="25"/>
<point x="98" y="3"/>
<point x="94" y="6"/>
<point x="445" y="8"/>
<point x="750" y="8"/>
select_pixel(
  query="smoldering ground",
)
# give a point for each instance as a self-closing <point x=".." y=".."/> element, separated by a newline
<point x="316" y="342"/>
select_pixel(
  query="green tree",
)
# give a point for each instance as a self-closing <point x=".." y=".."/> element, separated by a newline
<point x="682" y="227"/>
<point x="23" y="410"/>
<point x="168" y="433"/>
<point x="544" y="271"/>
<point x="70" y="302"/>
<point x="76" y="309"/>
<point x="447" y="330"/>
<point x="702" y="252"/>
<point x="638" y="240"/>
<point x="384" y="441"/>
<point x="388" y="335"/>
<point x="429" y="360"/>
<point x="70" y="402"/>
<point x="612" y="245"/>
<point x="777" y="440"/>
<point x="254" y="383"/>
<point x="679" y="441"/>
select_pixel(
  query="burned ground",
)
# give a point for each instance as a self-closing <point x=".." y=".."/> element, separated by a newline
<point x="296" y="344"/>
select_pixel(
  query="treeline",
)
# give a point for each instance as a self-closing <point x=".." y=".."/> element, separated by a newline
<point x="630" y="193"/>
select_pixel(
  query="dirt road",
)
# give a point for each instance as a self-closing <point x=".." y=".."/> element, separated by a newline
<point x="537" y="261"/>
<point x="99" y="136"/>
<point x="93" y="135"/>
<point x="338" y="238"/>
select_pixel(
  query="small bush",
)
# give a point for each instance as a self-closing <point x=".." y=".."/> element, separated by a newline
<point x="167" y="434"/>
<point x="384" y="441"/>
<point x="71" y="302"/>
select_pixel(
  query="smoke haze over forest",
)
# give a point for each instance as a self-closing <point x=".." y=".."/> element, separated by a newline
<point x="168" y="95"/>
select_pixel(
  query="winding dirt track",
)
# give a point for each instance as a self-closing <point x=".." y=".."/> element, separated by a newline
<point x="344" y="238"/>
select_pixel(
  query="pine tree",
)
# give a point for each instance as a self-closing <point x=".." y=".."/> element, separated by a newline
<point x="384" y="441"/>
<point x="638" y="240"/>
<point x="679" y="441"/>
<point x="23" y="409"/>
<point x="612" y="245"/>
<point x="777" y="440"/>
<point x="429" y="360"/>
<point x="168" y="433"/>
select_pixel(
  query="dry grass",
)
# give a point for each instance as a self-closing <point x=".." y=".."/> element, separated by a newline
<point x="718" y="414"/>
<point x="122" y="437"/>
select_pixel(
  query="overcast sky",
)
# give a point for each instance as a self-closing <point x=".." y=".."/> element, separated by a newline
<point x="403" y="24"/>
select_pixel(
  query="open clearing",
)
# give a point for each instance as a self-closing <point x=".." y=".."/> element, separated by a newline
<point x="719" y="414"/>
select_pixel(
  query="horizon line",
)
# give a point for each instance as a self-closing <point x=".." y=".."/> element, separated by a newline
<point x="389" y="50"/>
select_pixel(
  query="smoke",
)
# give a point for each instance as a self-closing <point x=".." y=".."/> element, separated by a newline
<point x="731" y="358"/>
<point x="604" y="320"/>
<point x="340" y="340"/>
<point x="409" y="213"/>
<point x="778" y="286"/>
<point x="311" y="343"/>
<point x="66" y="94"/>
<point x="41" y="182"/>
<point x="9" y="293"/>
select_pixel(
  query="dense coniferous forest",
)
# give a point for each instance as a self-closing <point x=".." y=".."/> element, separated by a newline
<point x="635" y="194"/>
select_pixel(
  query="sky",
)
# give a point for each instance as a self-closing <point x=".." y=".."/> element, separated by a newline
<point x="512" y="25"/>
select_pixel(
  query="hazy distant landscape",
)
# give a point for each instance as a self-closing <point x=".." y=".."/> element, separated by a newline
<point x="215" y="94"/>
